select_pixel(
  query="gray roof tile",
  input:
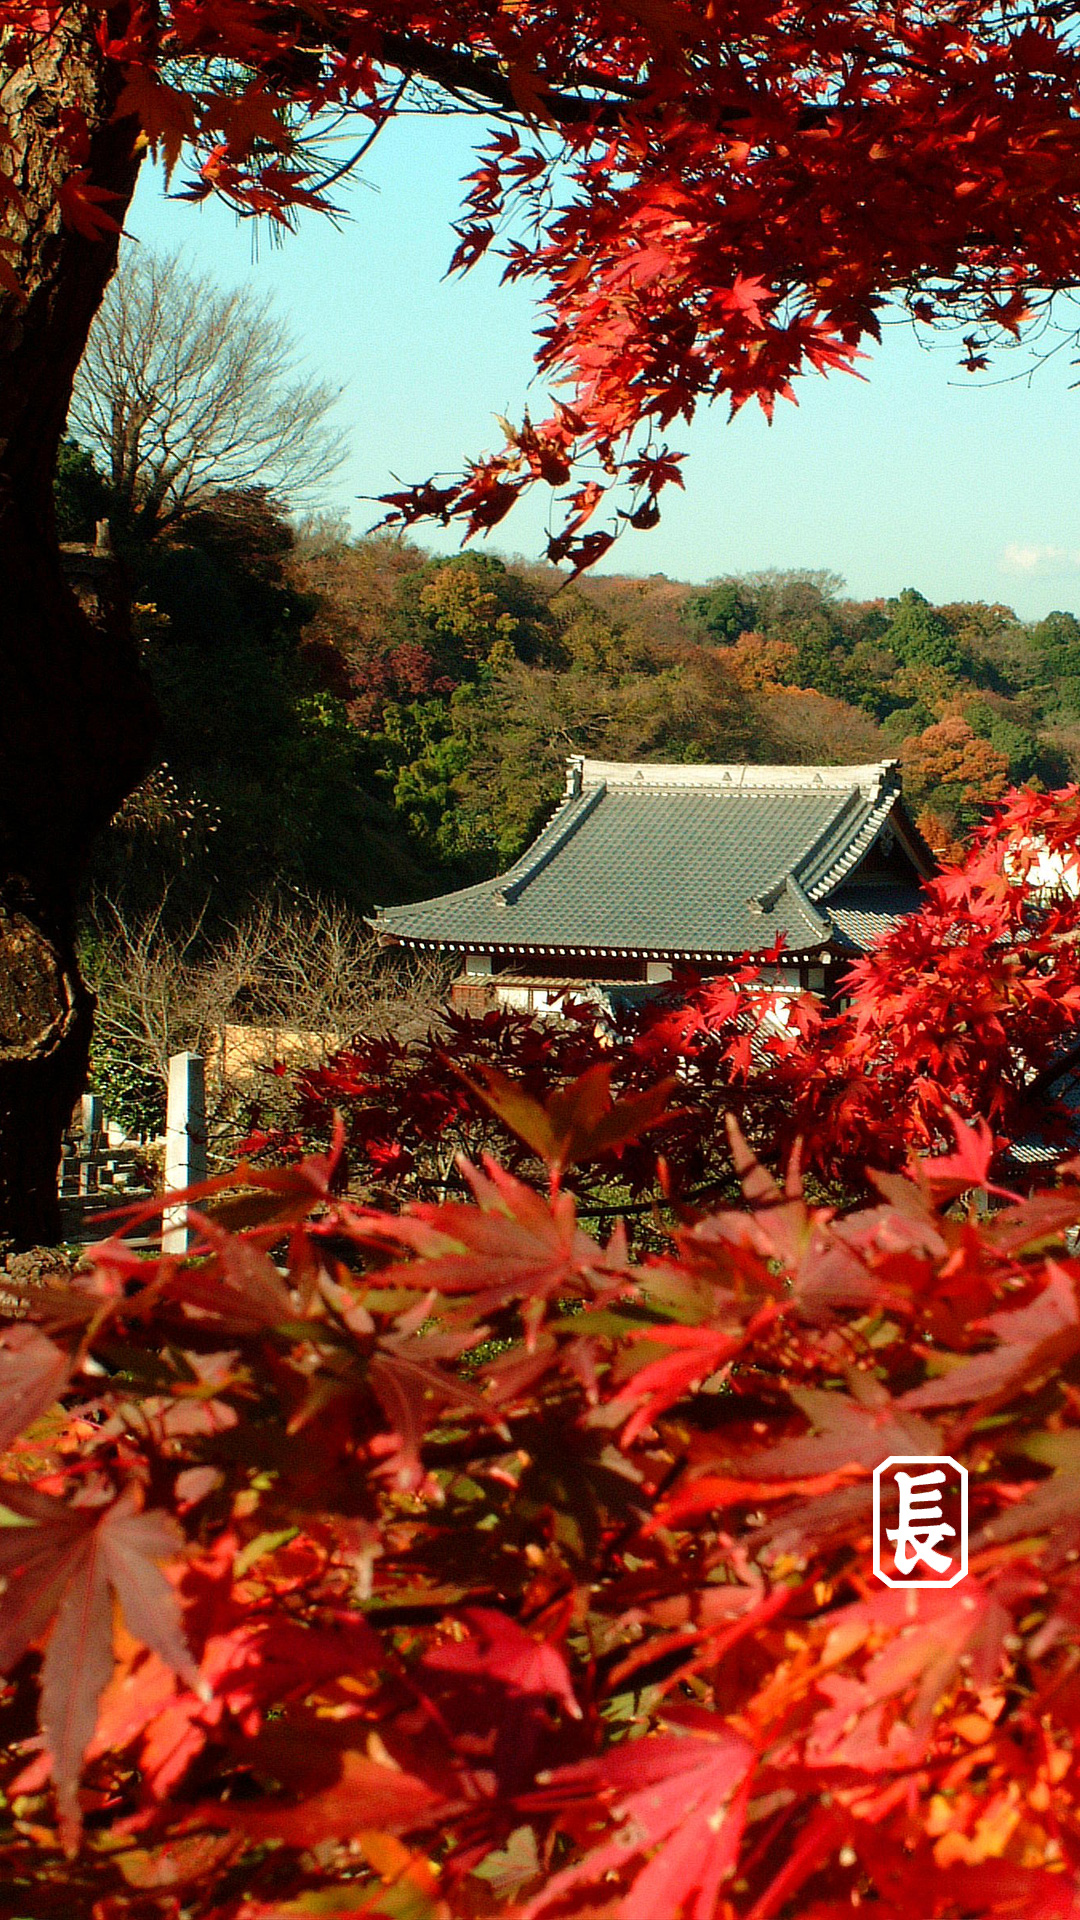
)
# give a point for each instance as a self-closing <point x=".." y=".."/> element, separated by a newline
<point x="862" y="914"/>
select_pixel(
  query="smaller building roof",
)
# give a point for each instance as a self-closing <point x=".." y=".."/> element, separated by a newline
<point x="693" y="862"/>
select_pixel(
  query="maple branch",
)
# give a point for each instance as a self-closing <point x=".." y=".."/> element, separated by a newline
<point x="415" y="1613"/>
<point x="617" y="1208"/>
<point x="366" y="144"/>
<point x="463" y="74"/>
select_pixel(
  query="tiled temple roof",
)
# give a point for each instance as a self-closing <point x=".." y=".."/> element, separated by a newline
<point x="699" y="862"/>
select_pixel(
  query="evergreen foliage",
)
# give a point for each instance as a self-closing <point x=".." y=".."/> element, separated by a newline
<point x="360" y="719"/>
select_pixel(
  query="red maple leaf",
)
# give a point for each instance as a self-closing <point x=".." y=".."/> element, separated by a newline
<point x="927" y="1634"/>
<point x="746" y="297"/>
<point x="948" y="1175"/>
<point x="684" y="1794"/>
<point x="498" y="1649"/>
<point x="61" y="1569"/>
<point x="84" y="206"/>
<point x="514" y="1244"/>
<point x="367" y="1795"/>
<point x="33" y="1373"/>
<point x="577" y="1122"/>
<point x="251" y="1662"/>
<point x="406" y="1378"/>
<point x="1031" y="1340"/>
<point x="846" y="1431"/>
<point x="165" y="114"/>
<point x="694" y="1353"/>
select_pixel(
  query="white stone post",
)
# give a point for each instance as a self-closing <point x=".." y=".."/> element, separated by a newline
<point x="91" y="1143"/>
<point x="185" y="1143"/>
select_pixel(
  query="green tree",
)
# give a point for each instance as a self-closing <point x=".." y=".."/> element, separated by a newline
<point x="823" y="662"/>
<point x="252" y="735"/>
<point x="724" y="610"/>
<point x="1055" y="645"/>
<point x="81" y="495"/>
<point x="920" y="636"/>
<point x="1020" y="745"/>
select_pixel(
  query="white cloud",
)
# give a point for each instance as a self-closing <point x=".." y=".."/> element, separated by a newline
<point x="1030" y="558"/>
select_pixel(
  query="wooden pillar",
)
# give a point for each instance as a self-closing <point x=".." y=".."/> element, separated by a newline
<point x="185" y="1143"/>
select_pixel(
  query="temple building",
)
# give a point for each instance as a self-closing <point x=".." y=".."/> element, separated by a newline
<point x="643" y="868"/>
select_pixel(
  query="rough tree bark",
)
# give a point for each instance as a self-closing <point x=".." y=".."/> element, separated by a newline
<point x="76" y="718"/>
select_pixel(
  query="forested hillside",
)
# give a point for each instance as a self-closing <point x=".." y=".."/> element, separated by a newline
<point x="358" y="719"/>
<point x="470" y="679"/>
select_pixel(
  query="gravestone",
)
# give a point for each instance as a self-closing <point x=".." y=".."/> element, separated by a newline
<point x="185" y="1143"/>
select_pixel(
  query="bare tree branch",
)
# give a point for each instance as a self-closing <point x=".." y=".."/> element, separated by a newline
<point x="186" y="389"/>
<point x="298" y="978"/>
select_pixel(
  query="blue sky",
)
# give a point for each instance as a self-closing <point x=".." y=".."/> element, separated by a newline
<point x="917" y="476"/>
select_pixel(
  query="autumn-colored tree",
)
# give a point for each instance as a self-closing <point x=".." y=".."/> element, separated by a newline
<point x="950" y="758"/>
<point x="760" y="665"/>
<point x="711" y="201"/>
<point x="938" y="835"/>
<point x="975" y="622"/>
<point x="928" y="686"/>
<point x="805" y="726"/>
<point x="462" y="1558"/>
<point x="461" y="606"/>
<point x="355" y="635"/>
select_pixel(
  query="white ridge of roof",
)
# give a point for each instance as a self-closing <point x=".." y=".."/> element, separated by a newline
<point x="646" y="773"/>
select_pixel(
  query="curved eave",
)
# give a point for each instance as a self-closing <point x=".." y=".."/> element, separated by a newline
<point x="812" y="950"/>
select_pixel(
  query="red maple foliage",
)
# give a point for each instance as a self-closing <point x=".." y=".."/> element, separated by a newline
<point x="447" y="1559"/>
<point x="965" y="1011"/>
<point x="712" y="199"/>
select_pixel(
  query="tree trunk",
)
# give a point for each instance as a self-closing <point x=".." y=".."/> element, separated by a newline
<point x="76" y="717"/>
